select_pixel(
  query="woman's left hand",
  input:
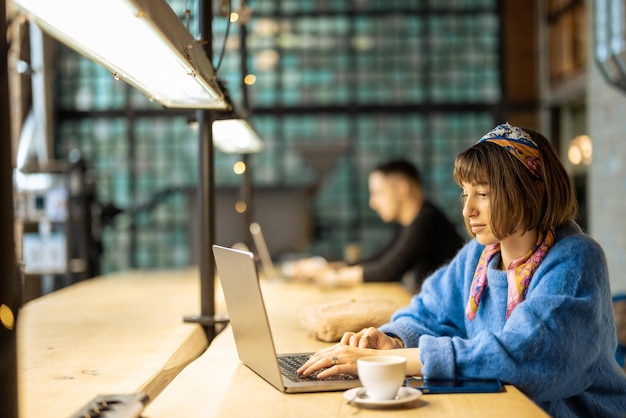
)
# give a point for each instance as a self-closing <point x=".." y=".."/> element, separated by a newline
<point x="371" y="338"/>
<point x="337" y="359"/>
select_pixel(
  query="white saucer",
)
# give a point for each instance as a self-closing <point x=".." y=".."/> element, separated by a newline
<point x="405" y="394"/>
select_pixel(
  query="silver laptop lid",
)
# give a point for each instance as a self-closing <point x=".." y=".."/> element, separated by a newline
<point x="251" y="328"/>
<point x="264" y="253"/>
<point x="248" y="317"/>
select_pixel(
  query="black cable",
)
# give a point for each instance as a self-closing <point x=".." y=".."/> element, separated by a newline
<point x="219" y="63"/>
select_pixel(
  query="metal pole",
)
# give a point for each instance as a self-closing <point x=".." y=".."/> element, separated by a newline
<point x="206" y="198"/>
<point x="9" y="293"/>
<point x="246" y="183"/>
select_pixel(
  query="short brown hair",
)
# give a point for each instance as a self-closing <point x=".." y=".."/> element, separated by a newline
<point x="402" y="168"/>
<point x="518" y="198"/>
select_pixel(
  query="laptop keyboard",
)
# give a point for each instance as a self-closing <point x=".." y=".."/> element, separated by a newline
<point x="290" y="364"/>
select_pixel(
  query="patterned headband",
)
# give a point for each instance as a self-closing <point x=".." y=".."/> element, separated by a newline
<point x="516" y="141"/>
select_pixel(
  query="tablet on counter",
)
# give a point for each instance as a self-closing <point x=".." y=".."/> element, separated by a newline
<point x="460" y="385"/>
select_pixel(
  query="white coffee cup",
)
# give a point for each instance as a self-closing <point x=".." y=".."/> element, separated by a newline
<point x="381" y="376"/>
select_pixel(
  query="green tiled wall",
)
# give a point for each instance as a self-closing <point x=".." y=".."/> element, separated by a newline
<point x="386" y="78"/>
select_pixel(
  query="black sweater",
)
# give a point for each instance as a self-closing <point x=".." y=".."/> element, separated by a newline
<point x="429" y="242"/>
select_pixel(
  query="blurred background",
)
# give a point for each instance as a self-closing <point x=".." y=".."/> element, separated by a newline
<point x="333" y="88"/>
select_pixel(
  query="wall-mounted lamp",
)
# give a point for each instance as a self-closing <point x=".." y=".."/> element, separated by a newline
<point x="610" y="40"/>
<point x="142" y="42"/>
<point x="236" y="136"/>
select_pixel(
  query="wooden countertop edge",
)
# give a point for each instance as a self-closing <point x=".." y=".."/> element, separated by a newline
<point x="189" y="351"/>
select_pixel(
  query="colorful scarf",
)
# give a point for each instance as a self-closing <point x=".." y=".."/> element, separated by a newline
<point x="519" y="143"/>
<point x="519" y="274"/>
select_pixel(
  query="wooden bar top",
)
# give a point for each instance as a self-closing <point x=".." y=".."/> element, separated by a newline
<point x="124" y="333"/>
<point x="218" y="385"/>
<point x="115" y="334"/>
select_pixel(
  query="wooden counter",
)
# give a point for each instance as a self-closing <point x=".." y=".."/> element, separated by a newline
<point x="218" y="385"/>
<point x="124" y="333"/>
<point x="116" y="334"/>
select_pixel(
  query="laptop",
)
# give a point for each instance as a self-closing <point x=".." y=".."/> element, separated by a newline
<point x="282" y="271"/>
<point x="270" y="271"/>
<point x="252" y="332"/>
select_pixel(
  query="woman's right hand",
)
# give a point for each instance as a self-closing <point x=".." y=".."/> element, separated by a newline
<point x="342" y="357"/>
<point x="371" y="338"/>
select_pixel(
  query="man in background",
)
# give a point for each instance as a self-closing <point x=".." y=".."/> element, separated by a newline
<point x="425" y="240"/>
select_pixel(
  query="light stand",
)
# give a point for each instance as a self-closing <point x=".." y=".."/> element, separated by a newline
<point x="206" y="200"/>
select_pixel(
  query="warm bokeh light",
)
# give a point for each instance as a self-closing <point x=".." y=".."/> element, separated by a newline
<point x="573" y="154"/>
<point x="239" y="167"/>
<point x="266" y="59"/>
<point x="266" y="27"/>
<point x="241" y="206"/>
<point x="586" y="148"/>
<point x="580" y="150"/>
<point x="249" y="79"/>
<point x="7" y="317"/>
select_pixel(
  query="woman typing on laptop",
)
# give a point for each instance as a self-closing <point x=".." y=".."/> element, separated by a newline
<point x="527" y="301"/>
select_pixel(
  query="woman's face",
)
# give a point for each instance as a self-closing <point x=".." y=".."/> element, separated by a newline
<point x="477" y="211"/>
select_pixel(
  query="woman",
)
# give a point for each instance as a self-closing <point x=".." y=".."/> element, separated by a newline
<point x="527" y="301"/>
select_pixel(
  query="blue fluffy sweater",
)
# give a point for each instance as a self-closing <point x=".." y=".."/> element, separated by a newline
<point x="558" y="346"/>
